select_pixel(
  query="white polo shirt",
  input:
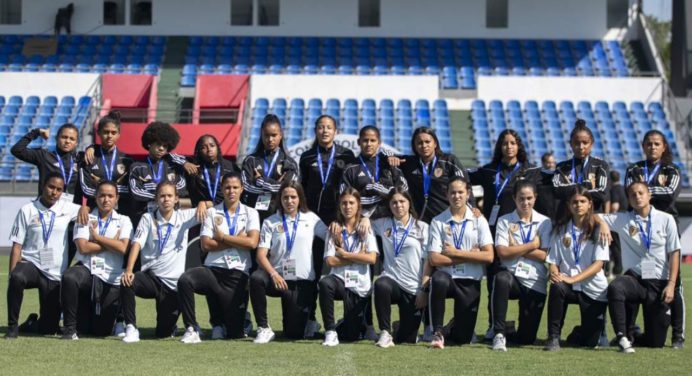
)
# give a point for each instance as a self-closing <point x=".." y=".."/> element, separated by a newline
<point x="230" y="258"/>
<point x="106" y="265"/>
<point x="664" y="240"/>
<point x="167" y="264"/>
<point x="273" y="238"/>
<point x="476" y="235"/>
<point x="28" y="232"/>
<point x="406" y="267"/>
<point x="356" y="277"/>
<point x="562" y="254"/>
<point x="530" y="273"/>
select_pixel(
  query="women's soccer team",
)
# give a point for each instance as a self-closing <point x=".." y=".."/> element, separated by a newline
<point x="388" y="229"/>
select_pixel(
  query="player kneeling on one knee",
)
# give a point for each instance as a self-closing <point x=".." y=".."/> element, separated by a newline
<point x="521" y="240"/>
<point x="651" y="260"/>
<point x="284" y="255"/>
<point x="230" y="231"/>
<point x="161" y="238"/>
<point x="350" y="257"/>
<point x="576" y="260"/>
<point x="460" y="246"/>
<point x="90" y="292"/>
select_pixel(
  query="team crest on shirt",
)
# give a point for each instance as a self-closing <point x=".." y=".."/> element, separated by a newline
<point x="218" y="220"/>
<point x="592" y="176"/>
<point x="448" y="230"/>
<point x="437" y="172"/>
<point x="279" y="167"/>
<point x="279" y="228"/>
<point x="633" y="230"/>
<point x="121" y="168"/>
<point x="567" y="241"/>
<point x="388" y="232"/>
<point x="92" y="223"/>
<point x="514" y="227"/>
<point x="662" y="180"/>
<point x="171" y="176"/>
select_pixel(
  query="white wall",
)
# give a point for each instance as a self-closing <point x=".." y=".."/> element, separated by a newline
<point x="551" y="19"/>
<point x="43" y="84"/>
<point x="9" y="206"/>
<point x="591" y="89"/>
<point x="344" y="87"/>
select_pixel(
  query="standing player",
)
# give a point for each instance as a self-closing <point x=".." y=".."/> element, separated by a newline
<point x="267" y="168"/>
<point x="286" y="268"/>
<point x="90" y="291"/>
<point x="39" y="255"/>
<point x="651" y="259"/>
<point x="460" y="247"/>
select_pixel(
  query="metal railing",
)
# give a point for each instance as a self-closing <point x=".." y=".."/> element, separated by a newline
<point x="205" y="116"/>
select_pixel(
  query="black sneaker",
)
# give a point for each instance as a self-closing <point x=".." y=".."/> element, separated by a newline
<point x="30" y="325"/>
<point x="553" y="344"/>
<point x="69" y="335"/>
<point x="12" y="332"/>
<point x="678" y="343"/>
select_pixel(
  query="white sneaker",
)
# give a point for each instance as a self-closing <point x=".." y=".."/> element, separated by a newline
<point x="264" y="335"/>
<point x="489" y="334"/>
<point x="119" y="329"/>
<point x="625" y="345"/>
<point x="131" y="334"/>
<point x="427" y="334"/>
<point x="311" y="329"/>
<point x="499" y="342"/>
<point x="218" y="332"/>
<point x="330" y="338"/>
<point x="385" y="340"/>
<point x="370" y="333"/>
<point x="191" y="335"/>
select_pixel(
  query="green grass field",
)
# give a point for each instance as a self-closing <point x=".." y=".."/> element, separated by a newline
<point x="110" y="356"/>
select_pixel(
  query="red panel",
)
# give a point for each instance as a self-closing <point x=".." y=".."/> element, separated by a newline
<point x="221" y="91"/>
<point x="227" y="134"/>
<point x="127" y="90"/>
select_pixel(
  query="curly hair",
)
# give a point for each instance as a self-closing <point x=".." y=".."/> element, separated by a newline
<point x="521" y="150"/>
<point x="160" y="132"/>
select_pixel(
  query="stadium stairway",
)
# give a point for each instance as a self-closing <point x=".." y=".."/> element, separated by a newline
<point x="168" y="100"/>
<point x="462" y="137"/>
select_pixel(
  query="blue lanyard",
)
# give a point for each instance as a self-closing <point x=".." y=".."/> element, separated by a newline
<point x="47" y="229"/>
<point x="525" y="237"/>
<point x="290" y="238"/>
<point x="576" y="245"/>
<point x="163" y="240"/>
<point x="499" y="188"/>
<point x="212" y="192"/>
<point x="578" y="178"/>
<point x="646" y="238"/>
<point x="400" y="245"/>
<point x="66" y="178"/>
<point x="648" y="177"/>
<point x="330" y="163"/>
<point x="269" y="167"/>
<point x="104" y="227"/>
<point x="458" y="236"/>
<point x="426" y="175"/>
<point x="109" y="171"/>
<point x="345" y="236"/>
<point x="367" y="170"/>
<point x="156" y="175"/>
<point x="231" y="225"/>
